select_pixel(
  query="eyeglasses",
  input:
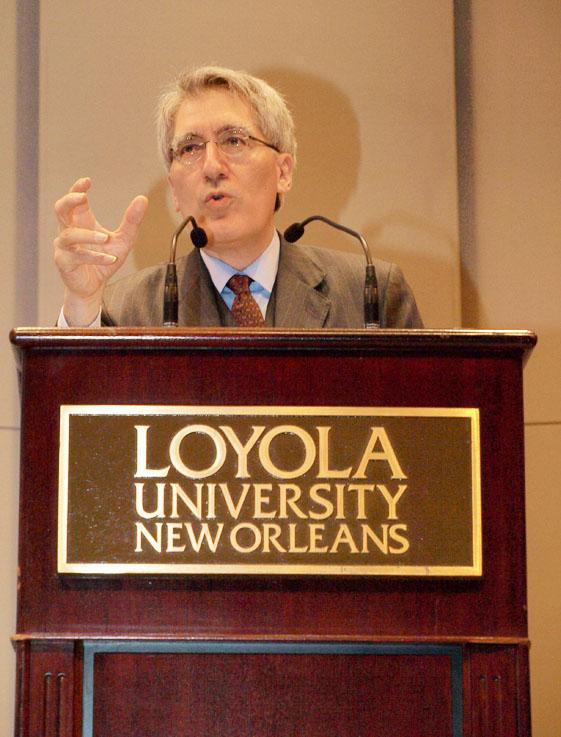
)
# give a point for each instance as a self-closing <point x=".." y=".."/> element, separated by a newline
<point x="233" y="143"/>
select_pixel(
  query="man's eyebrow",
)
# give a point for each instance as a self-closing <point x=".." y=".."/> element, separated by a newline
<point x="224" y="128"/>
<point x="193" y="134"/>
<point x="184" y="137"/>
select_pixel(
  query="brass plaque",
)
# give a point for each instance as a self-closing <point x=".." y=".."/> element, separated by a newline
<point x="269" y="490"/>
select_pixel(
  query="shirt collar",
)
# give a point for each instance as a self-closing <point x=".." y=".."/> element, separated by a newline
<point x="263" y="270"/>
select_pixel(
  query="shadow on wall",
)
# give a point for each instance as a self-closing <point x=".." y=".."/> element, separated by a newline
<point x="326" y="175"/>
<point x="421" y="247"/>
<point x="328" y="137"/>
<point x="153" y="243"/>
<point x="329" y="155"/>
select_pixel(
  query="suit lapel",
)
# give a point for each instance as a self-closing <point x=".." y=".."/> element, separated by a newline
<point x="197" y="303"/>
<point x="299" y="303"/>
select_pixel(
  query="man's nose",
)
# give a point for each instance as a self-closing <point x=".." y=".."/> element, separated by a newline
<point x="214" y="161"/>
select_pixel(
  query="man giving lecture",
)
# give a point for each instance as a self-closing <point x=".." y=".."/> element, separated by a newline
<point x="228" y="142"/>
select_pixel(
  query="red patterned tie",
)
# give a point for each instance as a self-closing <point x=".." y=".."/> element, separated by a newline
<point x="245" y="309"/>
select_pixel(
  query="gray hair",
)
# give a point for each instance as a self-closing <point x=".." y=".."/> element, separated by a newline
<point x="268" y="105"/>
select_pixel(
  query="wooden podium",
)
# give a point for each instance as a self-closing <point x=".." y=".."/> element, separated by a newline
<point x="234" y="655"/>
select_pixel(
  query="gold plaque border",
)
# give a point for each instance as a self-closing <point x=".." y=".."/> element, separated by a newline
<point x="67" y="411"/>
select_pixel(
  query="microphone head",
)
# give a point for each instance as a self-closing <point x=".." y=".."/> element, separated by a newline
<point x="294" y="232"/>
<point x="198" y="237"/>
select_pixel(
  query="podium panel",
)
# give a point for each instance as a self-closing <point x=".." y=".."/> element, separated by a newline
<point x="324" y="690"/>
<point x="421" y="654"/>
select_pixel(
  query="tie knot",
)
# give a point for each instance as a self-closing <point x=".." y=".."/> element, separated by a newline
<point x="239" y="283"/>
<point x="245" y="310"/>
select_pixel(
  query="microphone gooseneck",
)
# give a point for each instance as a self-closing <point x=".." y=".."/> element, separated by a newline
<point x="371" y="311"/>
<point x="171" y="294"/>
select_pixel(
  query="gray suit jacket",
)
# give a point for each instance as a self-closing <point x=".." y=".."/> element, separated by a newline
<point x="315" y="288"/>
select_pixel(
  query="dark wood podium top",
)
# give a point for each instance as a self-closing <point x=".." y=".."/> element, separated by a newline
<point x="429" y="342"/>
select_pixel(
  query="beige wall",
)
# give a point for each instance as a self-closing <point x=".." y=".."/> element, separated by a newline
<point x="513" y="276"/>
<point x="379" y="72"/>
<point x="9" y="412"/>
<point x="377" y="76"/>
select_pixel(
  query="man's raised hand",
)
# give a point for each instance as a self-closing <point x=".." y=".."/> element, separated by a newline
<point x="86" y="253"/>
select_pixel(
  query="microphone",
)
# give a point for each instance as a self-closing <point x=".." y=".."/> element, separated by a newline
<point x="171" y="295"/>
<point x="371" y="311"/>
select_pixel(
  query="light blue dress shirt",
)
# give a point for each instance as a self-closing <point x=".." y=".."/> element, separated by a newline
<point x="263" y="271"/>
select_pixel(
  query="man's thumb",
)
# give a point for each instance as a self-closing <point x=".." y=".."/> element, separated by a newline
<point x="134" y="214"/>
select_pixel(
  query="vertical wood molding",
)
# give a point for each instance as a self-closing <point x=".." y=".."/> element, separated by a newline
<point x="45" y="691"/>
<point x="498" y="692"/>
<point x="22" y="688"/>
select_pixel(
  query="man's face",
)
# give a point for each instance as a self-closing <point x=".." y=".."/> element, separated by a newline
<point x="233" y="200"/>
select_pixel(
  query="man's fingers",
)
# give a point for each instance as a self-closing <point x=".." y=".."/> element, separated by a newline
<point x="71" y="258"/>
<point x="70" y="236"/>
<point x="134" y="215"/>
<point x="81" y="185"/>
<point x="75" y="196"/>
<point x="74" y="206"/>
<point x="65" y="207"/>
<point x="79" y="247"/>
<point x="85" y="252"/>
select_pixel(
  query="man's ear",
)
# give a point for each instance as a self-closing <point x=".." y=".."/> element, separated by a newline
<point x="285" y="163"/>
